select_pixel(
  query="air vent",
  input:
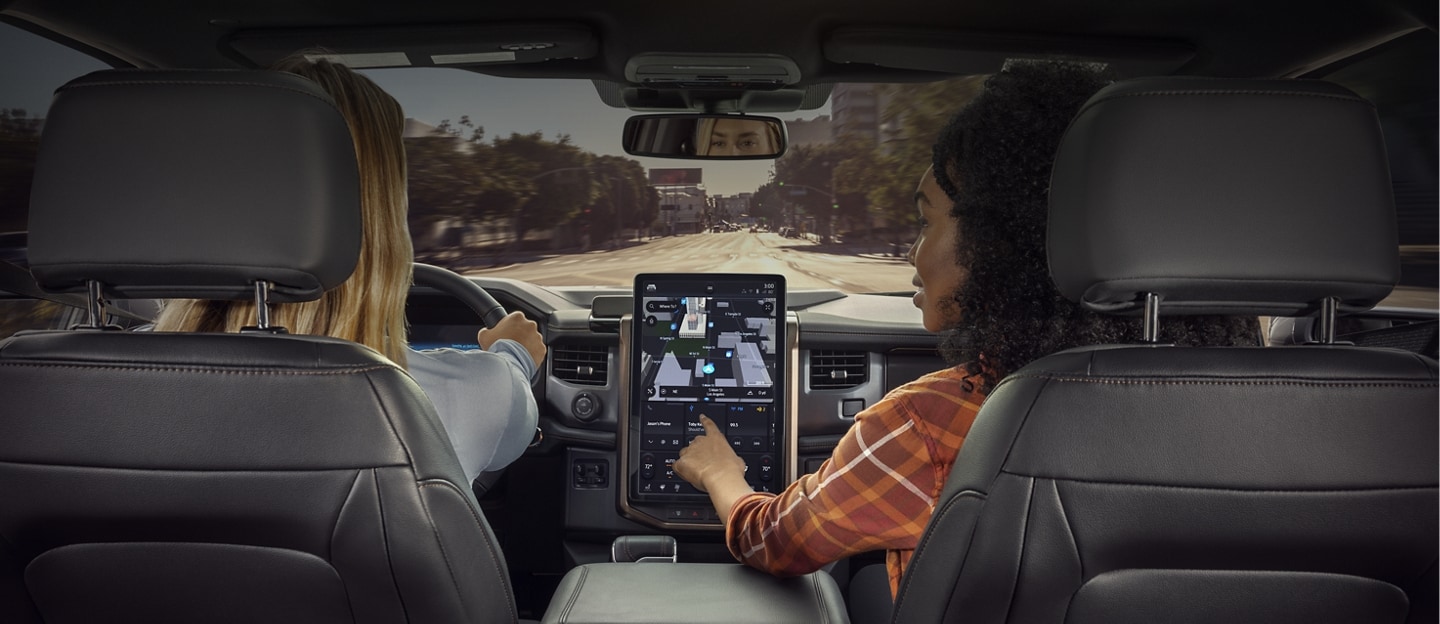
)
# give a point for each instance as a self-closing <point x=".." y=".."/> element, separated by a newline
<point x="584" y="365"/>
<point x="836" y="370"/>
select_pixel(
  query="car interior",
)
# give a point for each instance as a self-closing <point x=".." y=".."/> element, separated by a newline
<point x="1268" y="159"/>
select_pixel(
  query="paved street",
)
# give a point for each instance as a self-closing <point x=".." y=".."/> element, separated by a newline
<point x="805" y="264"/>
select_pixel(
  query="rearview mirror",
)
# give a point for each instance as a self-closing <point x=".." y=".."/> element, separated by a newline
<point x="705" y="137"/>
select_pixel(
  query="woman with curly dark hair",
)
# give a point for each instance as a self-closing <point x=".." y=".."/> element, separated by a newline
<point x="983" y="284"/>
<point x="992" y="163"/>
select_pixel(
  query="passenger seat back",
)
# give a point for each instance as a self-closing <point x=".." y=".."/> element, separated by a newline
<point x="1152" y="483"/>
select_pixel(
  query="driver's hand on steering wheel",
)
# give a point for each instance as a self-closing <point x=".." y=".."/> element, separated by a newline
<point x="518" y="328"/>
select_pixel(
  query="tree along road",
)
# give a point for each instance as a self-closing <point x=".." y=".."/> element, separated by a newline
<point x="805" y="264"/>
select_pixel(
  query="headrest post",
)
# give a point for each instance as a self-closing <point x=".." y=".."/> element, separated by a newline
<point x="262" y="305"/>
<point x="262" y="312"/>
<point x="95" y="304"/>
<point x="1152" y="318"/>
<point x="1326" y="330"/>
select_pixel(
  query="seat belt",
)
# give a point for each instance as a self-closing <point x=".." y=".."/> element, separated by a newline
<point x="17" y="279"/>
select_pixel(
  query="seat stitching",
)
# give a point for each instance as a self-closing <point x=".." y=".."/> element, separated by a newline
<point x="936" y="518"/>
<point x="1254" y="572"/>
<point x="198" y="470"/>
<point x="575" y="597"/>
<point x="385" y="537"/>
<point x="339" y="509"/>
<point x="494" y="557"/>
<point x="1285" y="92"/>
<point x="199" y="369"/>
<point x="445" y="555"/>
<point x="1257" y="280"/>
<point x="389" y="422"/>
<point x="819" y="604"/>
<point x="1229" y="382"/>
<point x="1074" y="538"/>
<point x="410" y="460"/>
<point x="1410" y="488"/>
<point x="410" y="464"/>
<point x="1024" y="534"/>
<point x="1020" y="430"/>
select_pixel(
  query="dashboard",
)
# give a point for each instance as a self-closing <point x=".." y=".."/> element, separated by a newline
<point x="846" y="352"/>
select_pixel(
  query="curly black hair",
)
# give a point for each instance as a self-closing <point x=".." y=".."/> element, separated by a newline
<point x="993" y="160"/>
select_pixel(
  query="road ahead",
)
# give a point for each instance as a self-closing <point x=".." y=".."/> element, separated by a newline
<point x="804" y="264"/>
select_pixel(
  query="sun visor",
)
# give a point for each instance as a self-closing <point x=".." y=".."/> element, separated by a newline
<point x="962" y="53"/>
<point x="440" y="46"/>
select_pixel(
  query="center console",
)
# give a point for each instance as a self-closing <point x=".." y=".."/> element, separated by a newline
<point x="696" y="593"/>
<point x="718" y="345"/>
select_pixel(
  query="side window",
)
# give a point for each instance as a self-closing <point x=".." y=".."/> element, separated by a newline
<point x="1400" y="79"/>
<point x="31" y="68"/>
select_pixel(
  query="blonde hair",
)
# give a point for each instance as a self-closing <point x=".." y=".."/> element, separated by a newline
<point x="703" y="129"/>
<point x="369" y="307"/>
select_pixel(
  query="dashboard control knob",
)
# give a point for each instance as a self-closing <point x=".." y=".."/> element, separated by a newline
<point x="585" y="407"/>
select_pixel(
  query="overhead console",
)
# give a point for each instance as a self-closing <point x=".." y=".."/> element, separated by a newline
<point x="718" y="345"/>
<point x="712" y="83"/>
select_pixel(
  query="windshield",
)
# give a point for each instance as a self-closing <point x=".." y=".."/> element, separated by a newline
<point x="526" y="179"/>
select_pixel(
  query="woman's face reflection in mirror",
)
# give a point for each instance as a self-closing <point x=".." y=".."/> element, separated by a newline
<point x="736" y="137"/>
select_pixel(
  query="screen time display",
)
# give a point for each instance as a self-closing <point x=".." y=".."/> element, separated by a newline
<point x="707" y="345"/>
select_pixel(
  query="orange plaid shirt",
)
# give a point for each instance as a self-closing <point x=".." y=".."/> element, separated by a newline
<point x="876" y="491"/>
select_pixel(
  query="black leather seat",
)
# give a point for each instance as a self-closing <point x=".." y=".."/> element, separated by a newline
<point x="1160" y="484"/>
<point x="251" y="477"/>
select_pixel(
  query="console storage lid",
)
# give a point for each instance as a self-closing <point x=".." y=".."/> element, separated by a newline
<point x="695" y="593"/>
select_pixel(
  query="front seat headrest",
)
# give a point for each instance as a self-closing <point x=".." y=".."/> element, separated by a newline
<point x="1223" y="196"/>
<point x="194" y="184"/>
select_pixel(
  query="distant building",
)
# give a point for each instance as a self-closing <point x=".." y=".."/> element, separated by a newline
<point x="855" y="110"/>
<point x="809" y="131"/>
<point x="682" y="208"/>
<point x="731" y="207"/>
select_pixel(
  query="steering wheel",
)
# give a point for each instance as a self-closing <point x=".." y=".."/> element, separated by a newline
<point x="469" y="293"/>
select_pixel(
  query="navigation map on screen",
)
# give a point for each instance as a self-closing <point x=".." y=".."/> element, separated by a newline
<point x="698" y="348"/>
<point x="707" y="347"/>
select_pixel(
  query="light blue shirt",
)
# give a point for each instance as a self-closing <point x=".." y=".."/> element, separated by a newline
<point x="484" y="400"/>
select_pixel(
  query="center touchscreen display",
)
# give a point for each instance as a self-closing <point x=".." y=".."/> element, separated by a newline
<point x="712" y="345"/>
